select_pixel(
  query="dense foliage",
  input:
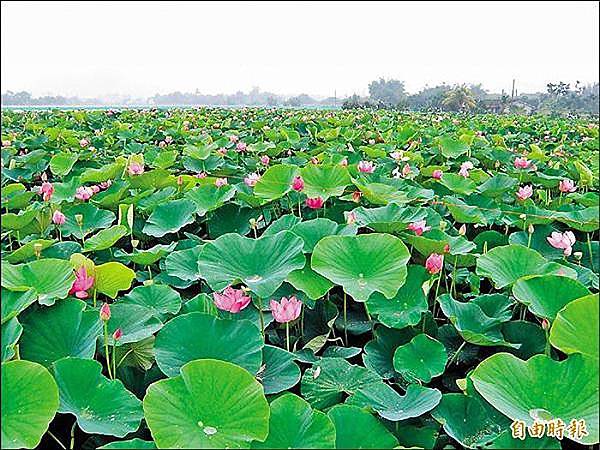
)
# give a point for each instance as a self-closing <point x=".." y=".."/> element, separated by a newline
<point x="261" y="278"/>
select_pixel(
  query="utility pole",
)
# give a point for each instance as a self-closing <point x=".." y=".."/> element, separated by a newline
<point x="512" y="94"/>
<point x="335" y="98"/>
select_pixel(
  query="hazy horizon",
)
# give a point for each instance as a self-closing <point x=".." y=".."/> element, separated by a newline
<point x="137" y="50"/>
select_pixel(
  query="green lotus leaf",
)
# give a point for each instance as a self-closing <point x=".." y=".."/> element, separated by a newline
<point x="275" y="182"/>
<point x="183" y="264"/>
<point x="100" y="405"/>
<point x="474" y="323"/>
<point x="16" y="196"/>
<point x="529" y="390"/>
<point x="135" y="322"/>
<point x="11" y="332"/>
<point x="131" y="444"/>
<point x="29" y="403"/>
<point x="19" y="221"/>
<point x="14" y="302"/>
<point x="537" y="241"/>
<point x="381" y="194"/>
<point x="469" y="420"/>
<point x="62" y="163"/>
<point x="575" y="329"/>
<point x="211" y="404"/>
<point x="108" y="172"/>
<point x="136" y="354"/>
<point x="261" y="264"/>
<point x="324" y="180"/>
<point x="27" y="251"/>
<point x="362" y="264"/>
<point x="112" y="277"/>
<point x="312" y="231"/>
<point x="497" y="185"/>
<point x="309" y="281"/>
<point x="280" y="372"/>
<point x="92" y="219"/>
<point x="65" y="329"/>
<point x="294" y="424"/>
<point x="349" y="419"/>
<point x="477" y="209"/>
<point x="392" y="406"/>
<point x="585" y="220"/>
<point x="158" y="298"/>
<point x="435" y="241"/>
<point x="530" y="337"/>
<point x="423" y="358"/>
<point x="170" y="217"/>
<point x="379" y="353"/>
<point x="146" y="257"/>
<point x="505" y="265"/>
<point x="153" y="179"/>
<point x="388" y="219"/>
<point x="547" y="294"/>
<point x="210" y="197"/>
<point x="200" y="336"/>
<point x="459" y="184"/>
<point x="105" y="238"/>
<point x="51" y="279"/>
<point x="285" y="222"/>
<point x="451" y="147"/>
<point x="406" y="307"/>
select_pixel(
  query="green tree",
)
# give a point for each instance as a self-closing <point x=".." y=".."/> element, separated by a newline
<point x="388" y="92"/>
<point x="460" y="98"/>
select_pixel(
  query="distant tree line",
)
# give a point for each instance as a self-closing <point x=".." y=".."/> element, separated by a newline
<point x="560" y="98"/>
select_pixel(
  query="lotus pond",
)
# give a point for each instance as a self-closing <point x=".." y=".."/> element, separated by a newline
<point x="254" y="278"/>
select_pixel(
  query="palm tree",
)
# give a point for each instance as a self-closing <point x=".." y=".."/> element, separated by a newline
<point x="460" y="98"/>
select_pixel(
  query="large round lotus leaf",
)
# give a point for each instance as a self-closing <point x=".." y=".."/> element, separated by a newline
<point x="49" y="278"/>
<point x="132" y="444"/>
<point x="423" y="358"/>
<point x="505" y="441"/>
<point x="27" y="251"/>
<point x="13" y="302"/>
<point x="473" y="322"/>
<point x="585" y="220"/>
<point x="261" y="264"/>
<point x="459" y="184"/>
<point x="363" y="264"/>
<point x="148" y="256"/>
<point x="294" y="424"/>
<point x="356" y="428"/>
<point x="212" y="404"/>
<point x="105" y="238"/>
<point x="62" y="163"/>
<point x="547" y="294"/>
<point x="392" y="406"/>
<point x="324" y="180"/>
<point x="92" y="219"/>
<point x="325" y="383"/>
<point x="135" y="322"/>
<point x="275" y="182"/>
<point x="312" y="231"/>
<point x="285" y="222"/>
<point x="11" y="332"/>
<point x="210" y="197"/>
<point x="469" y="420"/>
<point x="112" y="277"/>
<point x="406" y="307"/>
<point x="170" y="217"/>
<point x="505" y="265"/>
<point x="381" y="194"/>
<point x="530" y="336"/>
<point x="29" y="402"/>
<point x="388" y="219"/>
<point x="451" y="147"/>
<point x="575" y="329"/>
<point x="497" y="185"/>
<point x="200" y="336"/>
<point x="541" y="388"/>
<point x="435" y="241"/>
<point x="101" y="406"/>
<point x="280" y="370"/>
<point x="379" y="353"/>
<point x="537" y="241"/>
<point x="309" y="281"/>
<point x="65" y="329"/>
<point x="158" y="298"/>
<point x="183" y="264"/>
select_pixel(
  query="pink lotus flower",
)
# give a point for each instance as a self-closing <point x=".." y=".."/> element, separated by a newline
<point x="105" y="312"/>
<point x="314" y="203"/>
<point x="105" y="184"/>
<point x="286" y="310"/>
<point x="351" y="218"/>
<point x="241" y="146"/>
<point x="118" y="334"/>
<point x="437" y="174"/>
<point x="252" y="179"/>
<point x="419" y="227"/>
<point x="521" y="163"/>
<point x="371" y="141"/>
<point x="6" y="143"/>
<point x="222" y="151"/>
<point x="168" y="139"/>
<point x="344" y="162"/>
<point x="201" y="175"/>
<point x="232" y="300"/>
<point x="298" y="184"/>
<point x="314" y="160"/>
<point x="524" y="192"/>
<point x="366" y="167"/>
<point x="84" y="143"/>
<point x="220" y="182"/>
<point x="406" y="170"/>
<point x="82" y="283"/>
<point x="95" y="189"/>
<point x="46" y="191"/>
<point x="233" y="138"/>
<point x="434" y="263"/>
<point x="464" y="169"/>
<point x="563" y="241"/>
<point x="356" y="195"/>
<point x="58" y="218"/>
<point x="265" y="160"/>
<point x="162" y="144"/>
<point x="567" y="186"/>
<point x="135" y="168"/>
<point x="83" y="193"/>
<point x="396" y="155"/>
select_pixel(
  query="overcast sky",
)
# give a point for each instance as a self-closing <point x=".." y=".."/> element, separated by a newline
<point x="139" y="49"/>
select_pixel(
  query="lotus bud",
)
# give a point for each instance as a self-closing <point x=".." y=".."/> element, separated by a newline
<point x="545" y="324"/>
<point x="12" y="164"/>
<point x="578" y="255"/>
<point x="37" y="248"/>
<point x="79" y="219"/>
<point x="530" y="228"/>
<point x="135" y="243"/>
<point x="523" y="216"/>
<point x="179" y="180"/>
<point x="117" y="334"/>
<point x="252" y="222"/>
<point x="462" y="230"/>
<point x="148" y="282"/>
<point x="105" y="312"/>
<point x="44" y="177"/>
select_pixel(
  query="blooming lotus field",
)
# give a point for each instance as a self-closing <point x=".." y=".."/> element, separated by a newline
<point x="253" y="278"/>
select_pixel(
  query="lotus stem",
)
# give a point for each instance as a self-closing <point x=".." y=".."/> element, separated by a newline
<point x="453" y="285"/>
<point x="345" y="319"/>
<point x="114" y="360"/>
<point x="95" y="295"/>
<point x="106" y="354"/>
<point x="456" y="353"/>
<point x="72" y="444"/>
<point x="589" y="245"/>
<point x="56" y="439"/>
<point x="287" y="336"/>
<point x="262" y="319"/>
